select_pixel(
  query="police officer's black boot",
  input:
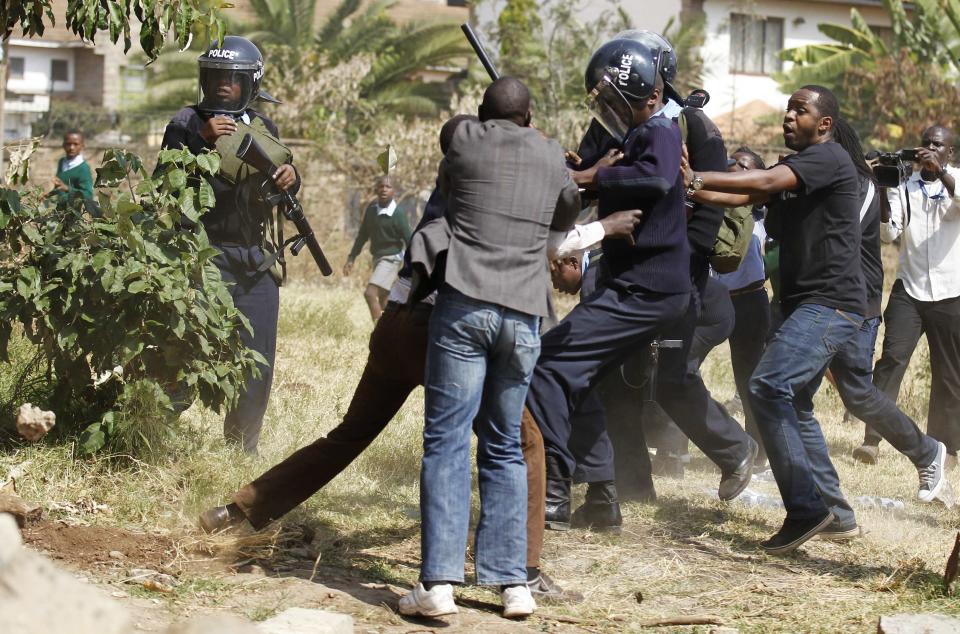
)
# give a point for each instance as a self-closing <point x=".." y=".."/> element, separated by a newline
<point x="600" y="510"/>
<point x="557" y="511"/>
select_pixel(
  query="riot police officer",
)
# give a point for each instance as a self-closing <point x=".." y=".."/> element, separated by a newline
<point x="240" y="224"/>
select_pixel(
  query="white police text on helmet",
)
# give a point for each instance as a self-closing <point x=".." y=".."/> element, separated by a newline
<point x="223" y="53"/>
<point x="623" y="73"/>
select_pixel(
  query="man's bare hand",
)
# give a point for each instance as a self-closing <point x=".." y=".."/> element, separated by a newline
<point x="59" y="184"/>
<point x="685" y="168"/>
<point x="587" y="178"/>
<point x="348" y="268"/>
<point x="622" y="224"/>
<point x="572" y="157"/>
<point x="216" y="127"/>
<point x="610" y="158"/>
<point x="928" y="160"/>
<point x="285" y="176"/>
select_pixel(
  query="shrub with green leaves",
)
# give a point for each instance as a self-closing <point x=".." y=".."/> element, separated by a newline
<point x="121" y="300"/>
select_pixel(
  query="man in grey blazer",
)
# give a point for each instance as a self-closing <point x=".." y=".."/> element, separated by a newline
<point x="506" y="187"/>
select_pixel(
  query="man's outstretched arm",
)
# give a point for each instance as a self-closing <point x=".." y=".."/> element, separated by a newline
<point x="774" y="180"/>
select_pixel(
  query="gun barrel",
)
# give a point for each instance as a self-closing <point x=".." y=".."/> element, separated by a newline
<point x="253" y="155"/>
<point x="480" y="51"/>
<point x="294" y="213"/>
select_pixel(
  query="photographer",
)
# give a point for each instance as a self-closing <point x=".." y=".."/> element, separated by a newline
<point x="238" y="224"/>
<point x="925" y="215"/>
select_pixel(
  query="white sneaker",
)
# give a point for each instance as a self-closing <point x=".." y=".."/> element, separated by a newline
<point x="518" y="603"/>
<point x="437" y="601"/>
<point x="932" y="477"/>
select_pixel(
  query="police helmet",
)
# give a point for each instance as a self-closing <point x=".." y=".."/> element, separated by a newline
<point x="668" y="64"/>
<point x="230" y="75"/>
<point x="621" y="72"/>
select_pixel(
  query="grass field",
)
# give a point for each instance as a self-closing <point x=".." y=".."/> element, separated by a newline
<point x="687" y="554"/>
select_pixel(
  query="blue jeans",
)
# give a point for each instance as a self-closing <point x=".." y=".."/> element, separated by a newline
<point x="853" y="372"/>
<point x="852" y="369"/>
<point x="784" y="382"/>
<point x="818" y="455"/>
<point x="480" y="357"/>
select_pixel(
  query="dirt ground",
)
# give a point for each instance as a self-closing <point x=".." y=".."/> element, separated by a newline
<point x="213" y="580"/>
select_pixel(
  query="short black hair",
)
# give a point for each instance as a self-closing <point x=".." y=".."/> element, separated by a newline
<point x="448" y="129"/>
<point x="506" y="98"/>
<point x="74" y="131"/>
<point x="946" y="131"/>
<point x="827" y="103"/>
<point x="757" y="160"/>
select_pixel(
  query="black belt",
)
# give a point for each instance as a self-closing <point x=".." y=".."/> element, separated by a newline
<point x="417" y="309"/>
<point x="749" y="288"/>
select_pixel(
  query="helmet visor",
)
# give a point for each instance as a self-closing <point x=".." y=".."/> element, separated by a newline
<point x="611" y="109"/>
<point x="225" y="90"/>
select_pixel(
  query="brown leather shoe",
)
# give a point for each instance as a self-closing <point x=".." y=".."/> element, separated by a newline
<point x="867" y="454"/>
<point x="546" y="590"/>
<point x="221" y="518"/>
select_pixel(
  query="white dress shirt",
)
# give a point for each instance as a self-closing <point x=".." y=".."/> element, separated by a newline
<point x="560" y="244"/>
<point x="69" y="164"/>
<point x="388" y="210"/>
<point x="930" y="242"/>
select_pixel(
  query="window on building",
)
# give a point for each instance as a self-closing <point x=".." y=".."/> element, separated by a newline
<point x="456" y="3"/>
<point x="755" y="44"/>
<point x="16" y="68"/>
<point x="885" y="33"/>
<point x="59" y="70"/>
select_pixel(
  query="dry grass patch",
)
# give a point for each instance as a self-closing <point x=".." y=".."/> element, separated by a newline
<point x="686" y="555"/>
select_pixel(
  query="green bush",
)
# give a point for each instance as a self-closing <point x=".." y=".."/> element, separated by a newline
<point x="124" y="305"/>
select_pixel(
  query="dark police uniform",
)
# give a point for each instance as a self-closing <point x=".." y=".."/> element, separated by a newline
<point x="649" y="287"/>
<point x="681" y="391"/>
<point x="236" y="226"/>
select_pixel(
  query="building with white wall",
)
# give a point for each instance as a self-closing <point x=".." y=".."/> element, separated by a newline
<point x="743" y="41"/>
<point x="59" y="66"/>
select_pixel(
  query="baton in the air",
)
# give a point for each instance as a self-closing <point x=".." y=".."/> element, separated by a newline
<point x="480" y="51"/>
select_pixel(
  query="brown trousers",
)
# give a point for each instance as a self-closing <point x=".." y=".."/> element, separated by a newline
<point x="395" y="367"/>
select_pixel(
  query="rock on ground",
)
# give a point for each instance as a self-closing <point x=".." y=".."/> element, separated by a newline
<point x="304" y="621"/>
<point x="918" y="624"/>
<point x="213" y="624"/>
<point x="38" y="598"/>
<point x="18" y="508"/>
<point x="33" y="423"/>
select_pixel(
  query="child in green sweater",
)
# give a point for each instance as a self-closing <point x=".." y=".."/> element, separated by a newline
<point x="73" y="173"/>
<point x="386" y="226"/>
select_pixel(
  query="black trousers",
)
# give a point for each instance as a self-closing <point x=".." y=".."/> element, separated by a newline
<point x="681" y="391"/>
<point x="747" y="341"/>
<point x="714" y="325"/>
<point x="906" y="320"/>
<point x="257" y="296"/>
<point x="589" y="443"/>
<point x="597" y="335"/>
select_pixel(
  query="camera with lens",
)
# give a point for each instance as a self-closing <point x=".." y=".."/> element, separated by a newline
<point x="893" y="168"/>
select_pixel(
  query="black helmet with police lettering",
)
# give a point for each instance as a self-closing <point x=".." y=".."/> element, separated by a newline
<point x="230" y="75"/>
<point x="620" y="72"/>
<point x="668" y="65"/>
<point x="668" y="61"/>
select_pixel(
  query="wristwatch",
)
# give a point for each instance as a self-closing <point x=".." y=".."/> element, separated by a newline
<point x="695" y="185"/>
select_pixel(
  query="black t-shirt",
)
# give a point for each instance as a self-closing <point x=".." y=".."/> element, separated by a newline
<point x="818" y="226"/>
<point x="870" y="248"/>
